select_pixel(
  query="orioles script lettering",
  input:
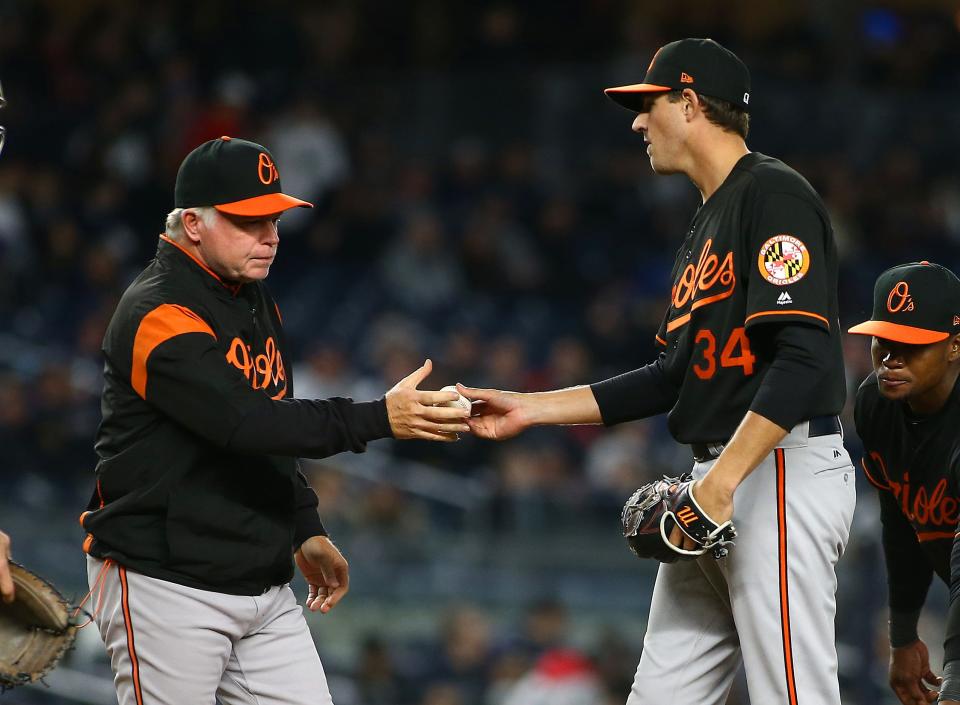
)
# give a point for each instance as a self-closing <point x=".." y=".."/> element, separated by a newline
<point x="703" y="277"/>
<point x="935" y="507"/>
<point x="262" y="369"/>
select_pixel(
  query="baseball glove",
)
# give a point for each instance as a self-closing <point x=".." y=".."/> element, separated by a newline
<point x="650" y="514"/>
<point x="35" y="629"/>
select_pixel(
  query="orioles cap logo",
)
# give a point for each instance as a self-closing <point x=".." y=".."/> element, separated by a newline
<point x="686" y="516"/>
<point x="899" y="298"/>
<point x="686" y="78"/>
<point x="956" y="320"/>
<point x="266" y="171"/>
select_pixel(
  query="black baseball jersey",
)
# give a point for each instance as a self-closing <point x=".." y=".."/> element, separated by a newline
<point x="197" y="479"/>
<point x="914" y="462"/>
<point x="759" y="251"/>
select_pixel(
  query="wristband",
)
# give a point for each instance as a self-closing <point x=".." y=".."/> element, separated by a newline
<point x="903" y="628"/>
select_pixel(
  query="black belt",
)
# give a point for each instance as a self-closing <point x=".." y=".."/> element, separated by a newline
<point x="819" y="426"/>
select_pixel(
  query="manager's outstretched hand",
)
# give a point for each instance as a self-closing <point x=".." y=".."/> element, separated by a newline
<point x="412" y="412"/>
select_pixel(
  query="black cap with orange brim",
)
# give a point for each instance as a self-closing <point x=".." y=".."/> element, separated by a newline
<point x="916" y="303"/>
<point x="700" y="64"/>
<point x="234" y="176"/>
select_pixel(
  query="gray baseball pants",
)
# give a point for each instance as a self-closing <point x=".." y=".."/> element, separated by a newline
<point x="771" y="603"/>
<point x="174" y="644"/>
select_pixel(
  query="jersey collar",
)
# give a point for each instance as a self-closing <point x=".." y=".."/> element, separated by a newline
<point x="233" y="288"/>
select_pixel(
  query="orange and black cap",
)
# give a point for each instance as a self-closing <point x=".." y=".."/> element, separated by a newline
<point x="917" y="303"/>
<point x="700" y="64"/>
<point x="234" y="176"/>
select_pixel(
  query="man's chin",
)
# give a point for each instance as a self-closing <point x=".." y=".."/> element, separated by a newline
<point x="257" y="271"/>
<point x="661" y="169"/>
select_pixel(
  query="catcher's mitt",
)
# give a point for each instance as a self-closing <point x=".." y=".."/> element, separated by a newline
<point x="35" y="629"/>
<point x="650" y="514"/>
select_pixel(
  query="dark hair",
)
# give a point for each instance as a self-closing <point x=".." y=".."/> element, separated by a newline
<point x="721" y="113"/>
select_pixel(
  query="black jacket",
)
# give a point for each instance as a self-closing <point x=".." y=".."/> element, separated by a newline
<point x="197" y="479"/>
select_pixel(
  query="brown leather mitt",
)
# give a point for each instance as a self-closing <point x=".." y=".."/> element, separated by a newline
<point x="35" y="629"/>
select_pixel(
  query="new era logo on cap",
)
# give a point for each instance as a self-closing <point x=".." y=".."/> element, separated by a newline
<point x="701" y="64"/>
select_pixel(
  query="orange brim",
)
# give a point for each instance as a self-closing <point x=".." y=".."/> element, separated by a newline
<point x="632" y="96"/>
<point x="899" y="333"/>
<point x="263" y="205"/>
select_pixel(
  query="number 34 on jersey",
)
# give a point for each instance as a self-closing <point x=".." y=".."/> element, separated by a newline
<point x="733" y="352"/>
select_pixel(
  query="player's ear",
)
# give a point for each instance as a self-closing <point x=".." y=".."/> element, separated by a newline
<point x="954" y="353"/>
<point x="691" y="103"/>
<point x="192" y="224"/>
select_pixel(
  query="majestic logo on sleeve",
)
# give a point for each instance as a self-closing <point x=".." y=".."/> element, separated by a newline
<point x="710" y="280"/>
<point x="264" y="370"/>
<point x="783" y="260"/>
<point x="899" y="298"/>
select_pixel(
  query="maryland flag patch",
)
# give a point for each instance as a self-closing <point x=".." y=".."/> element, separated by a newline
<point x="783" y="260"/>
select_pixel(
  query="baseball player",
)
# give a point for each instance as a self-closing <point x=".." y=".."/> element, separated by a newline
<point x="908" y="416"/>
<point x="199" y="509"/>
<point x="751" y="373"/>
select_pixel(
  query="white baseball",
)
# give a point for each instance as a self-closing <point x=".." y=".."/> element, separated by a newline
<point x="460" y="401"/>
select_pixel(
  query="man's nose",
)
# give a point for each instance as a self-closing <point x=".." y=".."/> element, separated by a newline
<point x="271" y="234"/>
<point x="891" y="359"/>
<point x="640" y="123"/>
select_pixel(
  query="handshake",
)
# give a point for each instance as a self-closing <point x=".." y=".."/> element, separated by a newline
<point x="441" y="415"/>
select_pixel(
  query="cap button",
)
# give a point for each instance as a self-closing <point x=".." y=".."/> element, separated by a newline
<point x="226" y="138"/>
<point x="925" y="262"/>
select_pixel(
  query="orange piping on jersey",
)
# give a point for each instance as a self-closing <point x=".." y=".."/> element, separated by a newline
<point x="924" y="536"/>
<point x="866" y="471"/>
<point x="784" y="593"/>
<point x="677" y="322"/>
<point x="131" y="647"/>
<point x="234" y="288"/>
<point x="660" y="340"/>
<point x="162" y="323"/>
<point x="788" y="313"/>
<point x="277" y="308"/>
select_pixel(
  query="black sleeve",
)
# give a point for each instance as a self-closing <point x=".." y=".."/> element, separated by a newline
<point x="307" y="520"/>
<point x="635" y="395"/>
<point x="790" y="388"/>
<point x="909" y="573"/>
<point x="188" y="379"/>
<point x="788" y="245"/>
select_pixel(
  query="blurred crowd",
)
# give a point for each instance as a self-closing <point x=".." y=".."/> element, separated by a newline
<point x="479" y="202"/>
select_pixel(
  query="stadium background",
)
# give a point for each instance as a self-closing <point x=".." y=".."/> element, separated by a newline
<point x="479" y="202"/>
